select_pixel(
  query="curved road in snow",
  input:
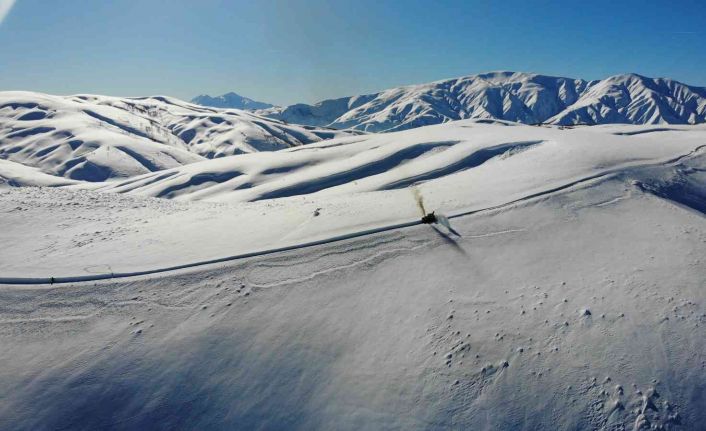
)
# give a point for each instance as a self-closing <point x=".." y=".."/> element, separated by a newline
<point x="350" y="235"/>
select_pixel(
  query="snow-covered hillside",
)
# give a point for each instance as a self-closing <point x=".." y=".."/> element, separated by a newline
<point x="230" y="100"/>
<point x="489" y="160"/>
<point x="571" y="295"/>
<point x="519" y="97"/>
<point x="268" y="200"/>
<point x="95" y="138"/>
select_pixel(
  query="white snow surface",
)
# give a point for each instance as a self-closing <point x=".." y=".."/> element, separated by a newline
<point x="571" y="295"/>
<point x="97" y="138"/>
<point x="14" y="174"/>
<point x="465" y="164"/>
<point x="513" y="96"/>
<point x="268" y="200"/>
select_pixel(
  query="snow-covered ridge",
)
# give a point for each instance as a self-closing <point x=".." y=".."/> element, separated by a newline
<point x="519" y="97"/>
<point x="95" y="138"/>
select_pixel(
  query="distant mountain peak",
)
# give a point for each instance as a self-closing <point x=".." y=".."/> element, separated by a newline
<point x="230" y="100"/>
<point x="510" y="96"/>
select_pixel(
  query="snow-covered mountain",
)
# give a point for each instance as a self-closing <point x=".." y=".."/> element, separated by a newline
<point x="96" y="138"/>
<point x="635" y="99"/>
<point x="519" y="97"/>
<point x="230" y="100"/>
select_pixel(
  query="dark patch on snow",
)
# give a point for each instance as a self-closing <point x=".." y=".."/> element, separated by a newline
<point x="369" y="169"/>
<point x="139" y="158"/>
<point x="26" y="105"/>
<point x="33" y="116"/>
<point x="151" y="179"/>
<point x="323" y="147"/>
<point x="45" y="151"/>
<point x="75" y="143"/>
<point x="284" y="169"/>
<point x="640" y="132"/>
<point x="89" y="171"/>
<point x="118" y="391"/>
<point x="187" y="135"/>
<point x="683" y="184"/>
<point x="29" y="132"/>
<point x="473" y="160"/>
<point x="685" y="191"/>
<point x="197" y="180"/>
<point x="114" y="123"/>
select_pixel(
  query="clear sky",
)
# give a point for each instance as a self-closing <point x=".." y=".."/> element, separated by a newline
<point x="303" y="51"/>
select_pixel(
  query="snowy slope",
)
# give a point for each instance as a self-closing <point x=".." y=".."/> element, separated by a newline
<point x="490" y="159"/>
<point x="519" y="97"/>
<point x="577" y="309"/>
<point x="230" y="100"/>
<point x="268" y="200"/>
<point x="95" y="138"/>
<point x="75" y="138"/>
<point x="14" y="174"/>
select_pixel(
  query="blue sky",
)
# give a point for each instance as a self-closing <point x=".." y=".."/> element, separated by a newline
<point x="303" y="51"/>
